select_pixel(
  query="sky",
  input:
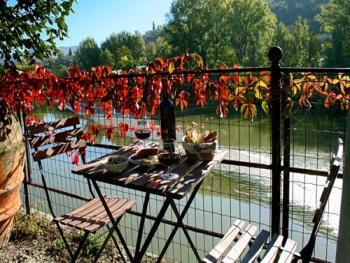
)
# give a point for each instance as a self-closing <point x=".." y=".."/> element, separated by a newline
<point x="99" y="19"/>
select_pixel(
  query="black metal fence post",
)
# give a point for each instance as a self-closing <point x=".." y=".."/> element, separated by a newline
<point x="275" y="55"/>
<point x="286" y="159"/>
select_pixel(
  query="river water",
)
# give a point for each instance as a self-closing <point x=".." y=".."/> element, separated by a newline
<point x="236" y="192"/>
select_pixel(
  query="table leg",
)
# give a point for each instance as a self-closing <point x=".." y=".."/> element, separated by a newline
<point x="180" y="224"/>
<point x="114" y="223"/>
<point x="142" y="223"/>
<point x="153" y="230"/>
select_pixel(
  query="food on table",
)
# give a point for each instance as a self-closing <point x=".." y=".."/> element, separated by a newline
<point x="196" y="137"/>
<point x="145" y="156"/>
<point x="116" y="163"/>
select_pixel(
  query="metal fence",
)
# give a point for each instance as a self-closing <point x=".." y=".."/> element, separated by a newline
<point x="247" y="185"/>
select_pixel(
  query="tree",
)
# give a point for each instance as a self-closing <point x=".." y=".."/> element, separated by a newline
<point x="198" y="26"/>
<point x="283" y="38"/>
<point x="221" y="31"/>
<point x="88" y="54"/>
<point x="130" y="48"/>
<point x="251" y="29"/>
<point x="151" y="51"/>
<point x="107" y="58"/>
<point x="163" y="47"/>
<point x="30" y="28"/>
<point x="335" y="20"/>
<point x="288" y="11"/>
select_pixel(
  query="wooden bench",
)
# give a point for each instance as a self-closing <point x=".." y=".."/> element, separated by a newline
<point x="242" y="241"/>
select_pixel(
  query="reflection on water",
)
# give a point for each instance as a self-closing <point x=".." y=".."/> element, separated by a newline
<point x="242" y="192"/>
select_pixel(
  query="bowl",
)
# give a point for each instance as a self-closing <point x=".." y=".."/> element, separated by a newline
<point x="202" y="151"/>
<point x="116" y="163"/>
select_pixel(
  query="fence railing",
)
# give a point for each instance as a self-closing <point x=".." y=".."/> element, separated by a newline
<point x="272" y="176"/>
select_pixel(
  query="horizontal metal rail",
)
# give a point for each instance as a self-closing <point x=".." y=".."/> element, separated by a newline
<point x="290" y="169"/>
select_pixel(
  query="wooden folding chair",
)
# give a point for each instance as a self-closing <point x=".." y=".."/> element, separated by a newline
<point x="54" y="138"/>
<point x="245" y="244"/>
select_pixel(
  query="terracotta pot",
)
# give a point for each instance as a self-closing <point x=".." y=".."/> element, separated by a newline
<point x="12" y="157"/>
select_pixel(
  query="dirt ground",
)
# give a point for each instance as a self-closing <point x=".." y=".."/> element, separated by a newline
<point x="35" y="239"/>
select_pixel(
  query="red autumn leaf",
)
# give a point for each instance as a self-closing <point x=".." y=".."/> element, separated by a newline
<point x="222" y="109"/>
<point x="93" y="129"/>
<point x="109" y="131"/>
<point x="107" y="108"/>
<point x="201" y="99"/>
<point x="89" y="109"/>
<point x="75" y="160"/>
<point x="76" y="107"/>
<point x="182" y="100"/>
<point x="123" y="128"/>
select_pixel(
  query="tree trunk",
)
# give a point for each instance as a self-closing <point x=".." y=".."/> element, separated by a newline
<point x="12" y="157"/>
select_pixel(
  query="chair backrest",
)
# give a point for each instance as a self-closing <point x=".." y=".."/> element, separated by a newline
<point x="317" y="220"/>
<point x="57" y="137"/>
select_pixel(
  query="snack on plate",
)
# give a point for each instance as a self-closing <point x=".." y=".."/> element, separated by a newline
<point x="116" y="163"/>
<point x="146" y="156"/>
<point x="199" y="146"/>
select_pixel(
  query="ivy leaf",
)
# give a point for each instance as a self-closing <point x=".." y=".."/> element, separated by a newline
<point x="171" y="67"/>
<point x="123" y="128"/>
<point x="182" y="100"/>
<point x="265" y="107"/>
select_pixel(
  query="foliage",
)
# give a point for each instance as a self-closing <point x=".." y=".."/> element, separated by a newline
<point x="199" y="26"/>
<point x="107" y="58"/>
<point x="30" y="28"/>
<point x="288" y="11"/>
<point x="92" y="243"/>
<point x="137" y="93"/>
<point x="251" y="27"/>
<point x="127" y="50"/>
<point x="221" y="31"/>
<point x="27" y="225"/>
<point x="88" y="54"/>
<point x="335" y="20"/>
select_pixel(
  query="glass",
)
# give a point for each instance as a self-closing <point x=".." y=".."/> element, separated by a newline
<point x="169" y="155"/>
<point x="142" y="131"/>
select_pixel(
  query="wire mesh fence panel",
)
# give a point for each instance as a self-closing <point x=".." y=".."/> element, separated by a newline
<point x="240" y="187"/>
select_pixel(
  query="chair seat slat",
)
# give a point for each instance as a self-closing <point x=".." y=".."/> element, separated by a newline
<point x="273" y="249"/>
<point x="64" y="136"/>
<point x="224" y="243"/>
<point x="54" y="125"/>
<point x="288" y="251"/>
<point x="50" y="152"/>
<point x="241" y="244"/>
<point x="257" y="246"/>
<point x="92" y="215"/>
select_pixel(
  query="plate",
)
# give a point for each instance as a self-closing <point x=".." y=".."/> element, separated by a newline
<point x="145" y="156"/>
<point x="148" y="161"/>
<point x="116" y="163"/>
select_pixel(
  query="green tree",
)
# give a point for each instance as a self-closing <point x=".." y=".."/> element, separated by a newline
<point x="127" y="49"/>
<point x="163" y="47"/>
<point x="251" y="29"/>
<point x="88" y="54"/>
<point x="304" y="50"/>
<point x="288" y="11"/>
<point x="30" y="28"/>
<point x="107" y="58"/>
<point x="284" y="38"/>
<point x="151" y="51"/>
<point x="199" y="26"/>
<point x="335" y="20"/>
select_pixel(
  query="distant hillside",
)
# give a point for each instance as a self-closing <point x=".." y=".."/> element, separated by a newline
<point x="65" y="50"/>
<point x="288" y="11"/>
